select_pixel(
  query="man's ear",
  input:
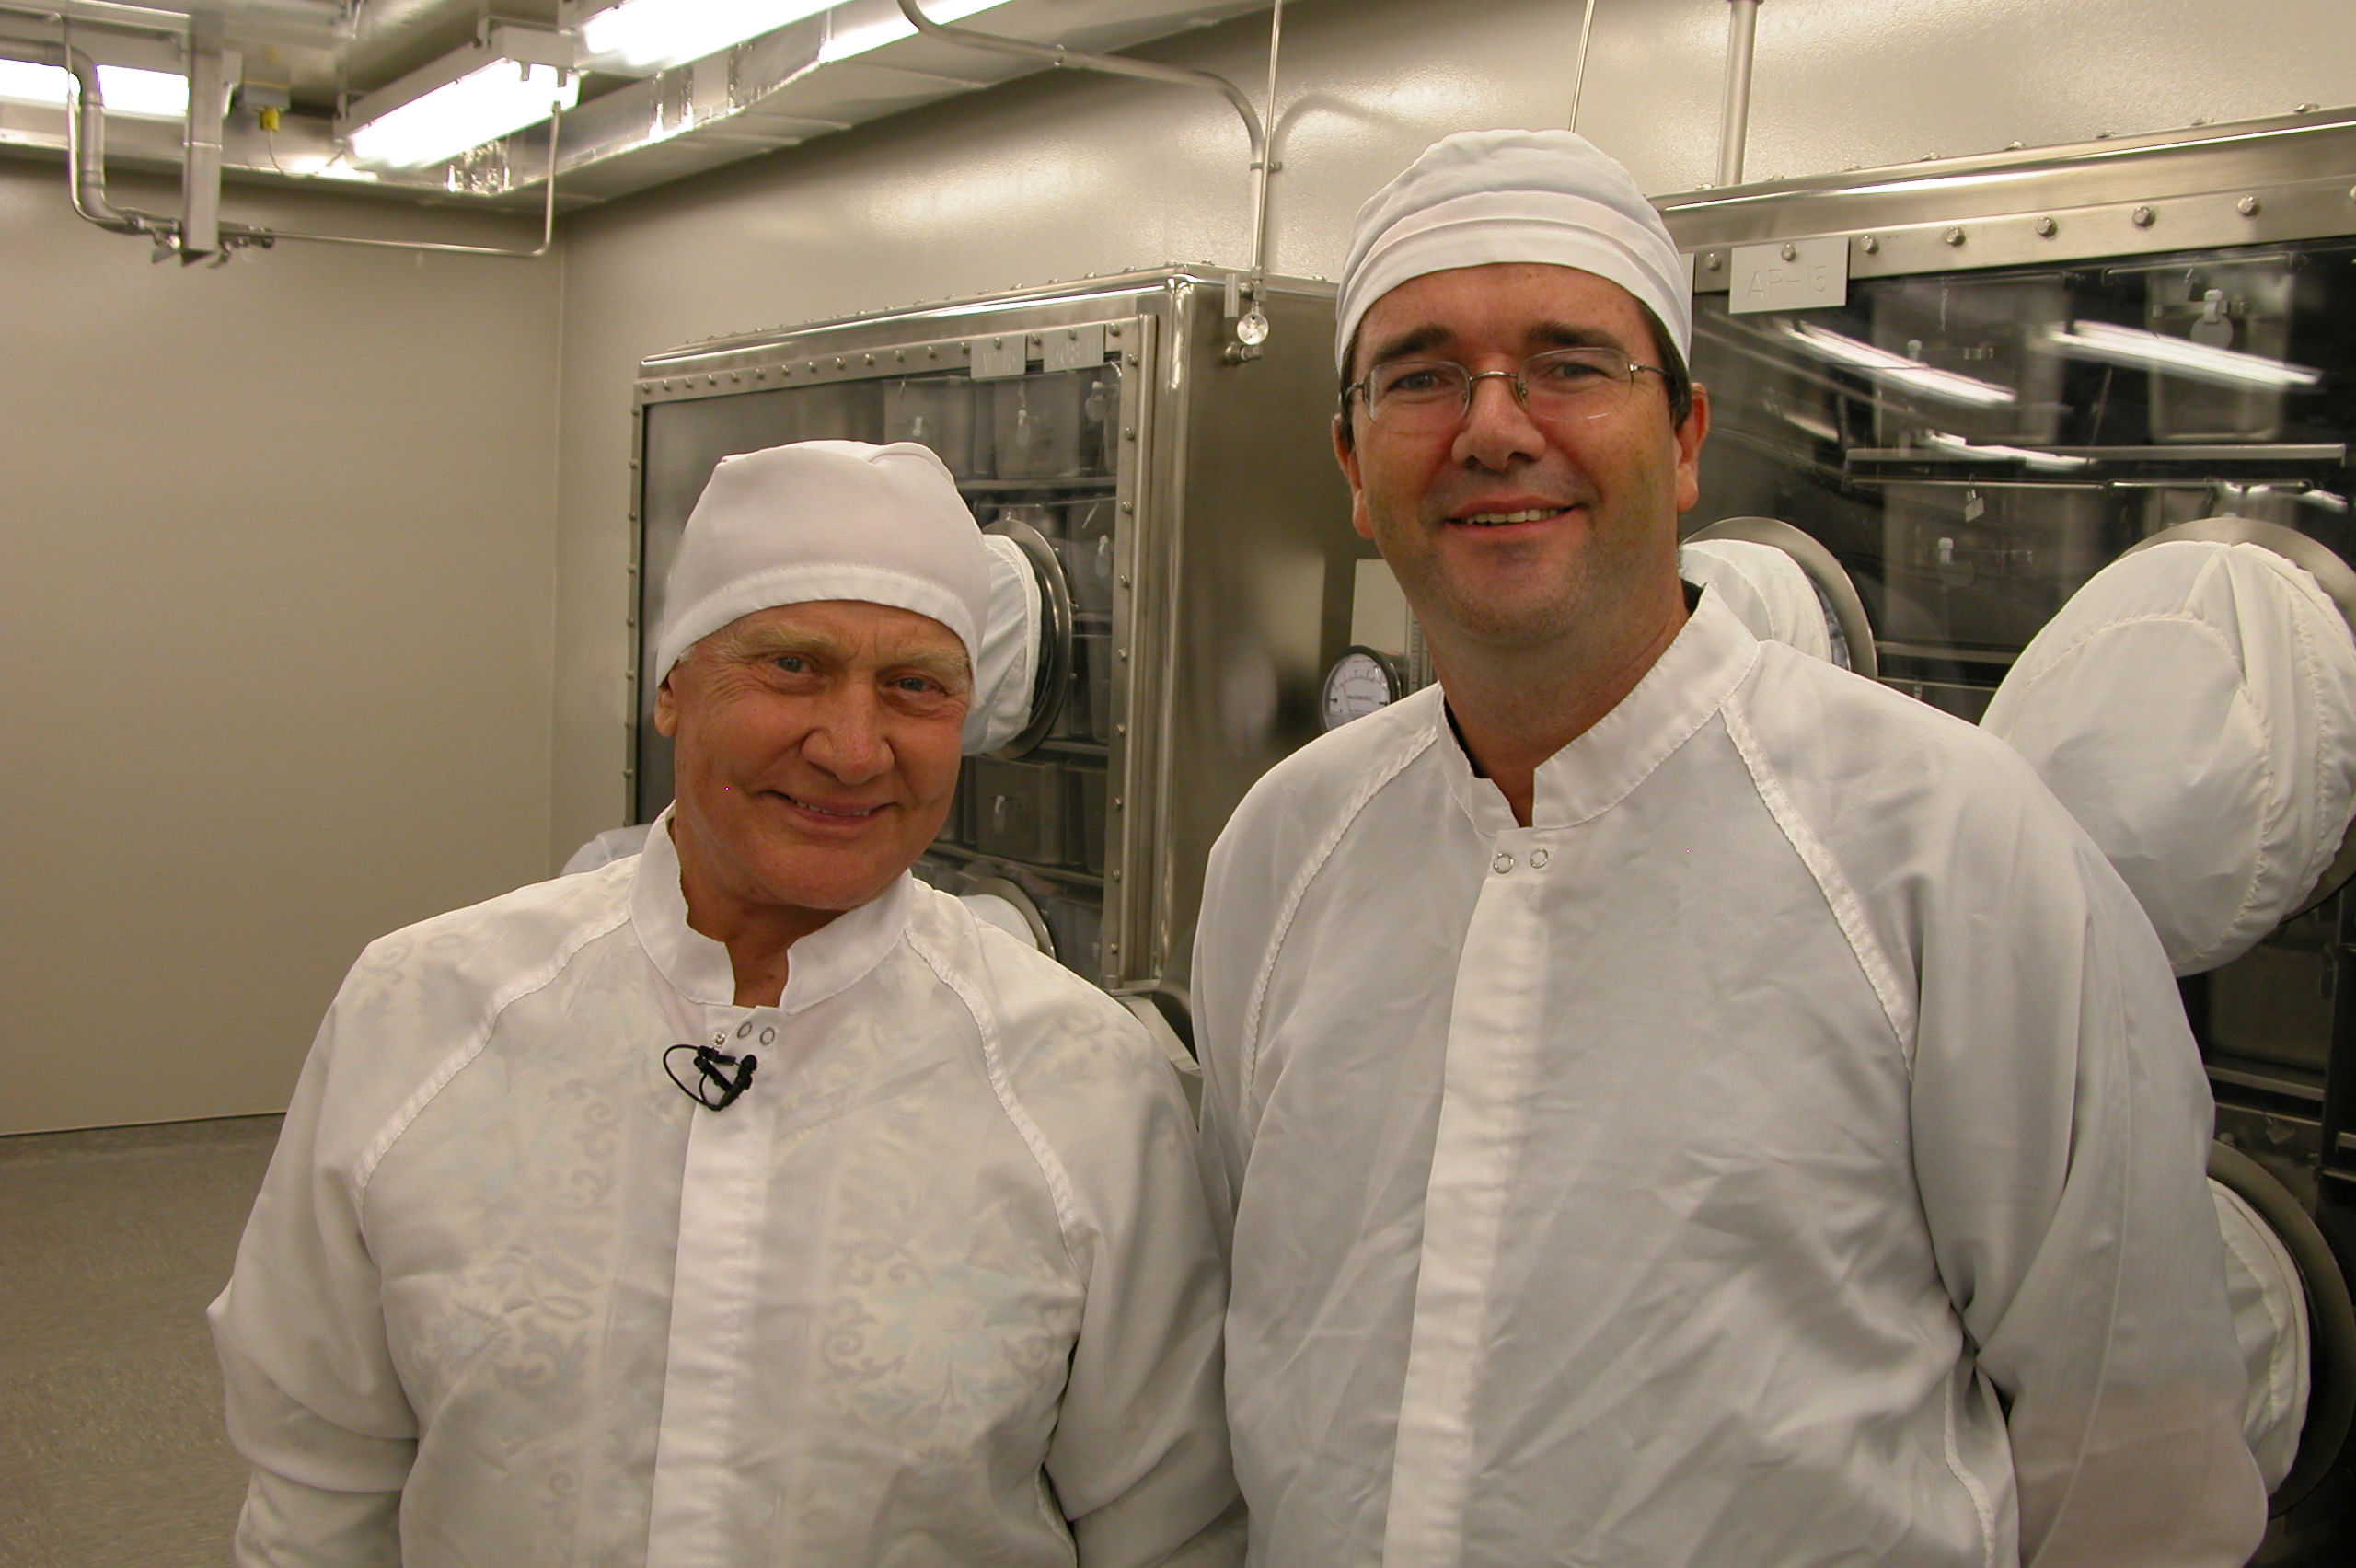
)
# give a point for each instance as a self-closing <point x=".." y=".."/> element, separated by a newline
<point x="1346" y="452"/>
<point x="666" y="708"/>
<point x="1689" y="436"/>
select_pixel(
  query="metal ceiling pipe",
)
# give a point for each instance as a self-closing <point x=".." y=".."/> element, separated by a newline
<point x="247" y="234"/>
<point x="86" y="175"/>
<point x="1578" y="80"/>
<point x="1055" y="54"/>
<point x="1734" y="117"/>
<point x="85" y="137"/>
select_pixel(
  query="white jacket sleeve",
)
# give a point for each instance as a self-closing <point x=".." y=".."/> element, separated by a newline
<point x="287" y="1525"/>
<point x="2061" y="1122"/>
<point x="1232" y="933"/>
<point x="1139" y="1455"/>
<point x="313" y="1400"/>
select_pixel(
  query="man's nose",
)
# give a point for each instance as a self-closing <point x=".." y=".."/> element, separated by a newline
<point x="848" y="742"/>
<point x="1499" y="432"/>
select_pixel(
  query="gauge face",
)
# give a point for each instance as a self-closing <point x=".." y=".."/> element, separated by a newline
<point x="1360" y="681"/>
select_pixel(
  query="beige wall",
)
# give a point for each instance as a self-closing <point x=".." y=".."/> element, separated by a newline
<point x="303" y="640"/>
<point x="1059" y="175"/>
<point x="274" y="623"/>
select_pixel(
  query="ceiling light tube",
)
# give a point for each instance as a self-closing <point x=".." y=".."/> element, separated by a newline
<point x="1913" y="375"/>
<point x="654" y="35"/>
<point x="2132" y="346"/>
<point x="860" y="25"/>
<point x="1957" y="446"/>
<point x="141" y="95"/>
<point x="515" y="77"/>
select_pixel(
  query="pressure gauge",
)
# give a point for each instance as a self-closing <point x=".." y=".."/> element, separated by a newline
<point x="1361" y="681"/>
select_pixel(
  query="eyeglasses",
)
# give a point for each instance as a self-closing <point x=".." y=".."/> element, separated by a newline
<point x="1420" y="396"/>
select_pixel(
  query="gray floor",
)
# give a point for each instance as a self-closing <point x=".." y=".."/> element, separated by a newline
<point x="110" y="1244"/>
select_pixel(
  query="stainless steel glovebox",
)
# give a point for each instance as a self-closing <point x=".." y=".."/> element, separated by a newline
<point x="1976" y="382"/>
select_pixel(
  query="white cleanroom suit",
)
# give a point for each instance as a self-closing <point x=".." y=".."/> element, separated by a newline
<point x="941" y="1280"/>
<point x="1786" y="1150"/>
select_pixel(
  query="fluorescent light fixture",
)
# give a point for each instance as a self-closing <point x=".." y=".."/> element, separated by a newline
<point x="1913" y="375"/>
<point x="2132" y="346"/>
<point x="857" y="28"/>
<point x="517" y="77"/>
<point x="653" y="35"/>
<point x="141" y="95"/>
<point x="1956" y="446"/>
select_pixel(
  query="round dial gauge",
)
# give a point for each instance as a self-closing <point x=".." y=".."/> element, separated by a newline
<point x="1361" y="681"/>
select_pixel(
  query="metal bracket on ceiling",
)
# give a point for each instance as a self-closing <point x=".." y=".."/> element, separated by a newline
<point x="200" y="233"/>
<point x="1251" y="328"/>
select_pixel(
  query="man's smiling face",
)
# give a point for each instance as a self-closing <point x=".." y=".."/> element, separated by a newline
<point x="817" y="751"/>
<point x="1504" y="529"/>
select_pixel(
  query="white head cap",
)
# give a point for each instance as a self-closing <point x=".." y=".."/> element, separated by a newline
<point x="846" y="520"/>
<point x="1485" y="196"/>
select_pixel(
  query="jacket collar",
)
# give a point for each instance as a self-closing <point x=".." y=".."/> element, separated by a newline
<point x="823" y="963"/>
<point x="1692" y="678"/>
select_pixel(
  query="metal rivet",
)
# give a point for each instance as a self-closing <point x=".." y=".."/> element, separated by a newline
<point x="1122" y="655"/>
<point x="1502" y="864"/>
<point x="1712" y="262"/>
<point x="1116" y="802"/>
<point x="1790" y="253"/>
<point x="1116" y="874"/>
<point x="1870" y="244"/>
<point x="1954" y="236"/>
<point x="838" y="362"/>
<point x="2142" y="217"/>
<point x="1129" y="433"/>
<point x="1124" y="580"/>
<point x="1538" y="858"/>
<point x="1120" y="729"/>
<point x="2047" y="227"/>
<point x="2247" y="206"/>
<point x="1127" y="507"/>
<point x="721" y="1038"/>
<point x="871" y="359"/>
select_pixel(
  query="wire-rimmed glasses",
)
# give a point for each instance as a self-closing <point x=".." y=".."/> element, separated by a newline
<point x="1418" y="396"/>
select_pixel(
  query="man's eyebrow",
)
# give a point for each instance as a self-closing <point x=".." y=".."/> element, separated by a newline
<point x="1416" y="341"/>
<point x="776" y="643"/>
<point x="951" y="670"/>
<point x="1552" y="334"/>
<point x="760" y="642"/>
<point x="1562" y="335"/>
